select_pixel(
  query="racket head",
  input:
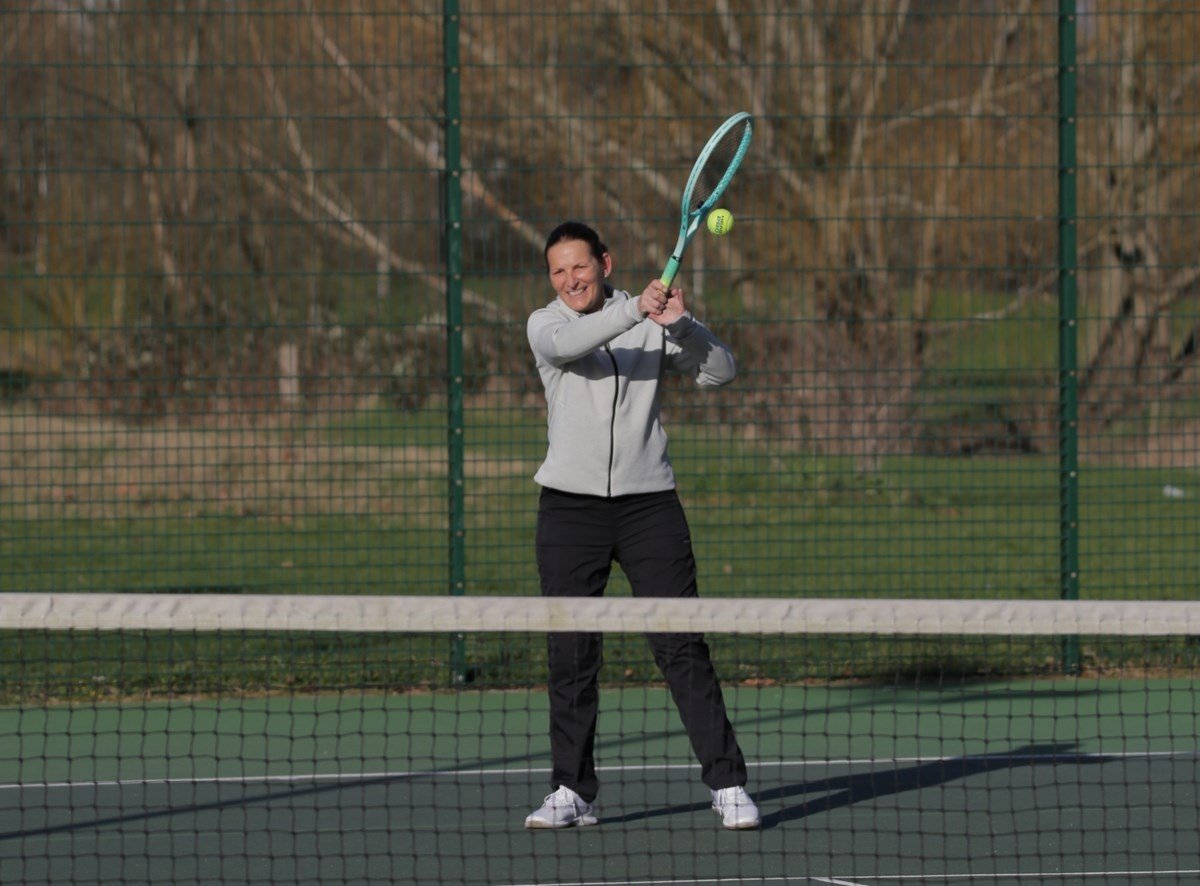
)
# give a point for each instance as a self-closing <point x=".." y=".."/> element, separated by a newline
<point x="715" y="167"/>
<point x="710" y="176"/>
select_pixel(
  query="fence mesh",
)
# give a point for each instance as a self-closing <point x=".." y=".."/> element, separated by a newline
<point x="266" y="273"/>
<point x="267" y="269"/>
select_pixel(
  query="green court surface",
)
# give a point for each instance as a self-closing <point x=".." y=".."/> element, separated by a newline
<point x="1037" y="781"/>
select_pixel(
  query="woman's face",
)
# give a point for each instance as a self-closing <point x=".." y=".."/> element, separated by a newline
<point x="577" y="275"/>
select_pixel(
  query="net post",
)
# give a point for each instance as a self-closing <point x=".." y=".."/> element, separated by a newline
<point x="453" y="234"/>
<point x="1068" y="377"/>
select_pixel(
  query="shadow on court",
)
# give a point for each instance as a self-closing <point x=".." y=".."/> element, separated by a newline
<point x="168" y="809"/>
<point x="828" y="794"/>
<point x="824" y="794"/>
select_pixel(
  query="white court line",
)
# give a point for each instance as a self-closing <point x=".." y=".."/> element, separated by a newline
<point x="438" y="774"/>
<point x="1033" y="875"/>
<point x="884" y="878"/>
<point x="1016" y="875"/>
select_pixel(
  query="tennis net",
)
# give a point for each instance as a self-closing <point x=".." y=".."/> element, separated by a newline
<point x="214" y="738"/>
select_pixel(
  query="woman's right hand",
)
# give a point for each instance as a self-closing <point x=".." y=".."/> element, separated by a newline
<point x="653" y="300"/>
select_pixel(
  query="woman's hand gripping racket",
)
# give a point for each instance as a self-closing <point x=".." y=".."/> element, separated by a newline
<point x="711" y="174"/>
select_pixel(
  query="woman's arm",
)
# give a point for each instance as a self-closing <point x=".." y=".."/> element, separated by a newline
<point x="559" y="339"/>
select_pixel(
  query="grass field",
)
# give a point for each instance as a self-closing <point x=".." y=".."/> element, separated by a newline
<point x="358" y="505"/>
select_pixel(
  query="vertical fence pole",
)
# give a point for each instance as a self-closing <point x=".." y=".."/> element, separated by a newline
<point x="1068" y="291"/>
<point x="452" y="220"/>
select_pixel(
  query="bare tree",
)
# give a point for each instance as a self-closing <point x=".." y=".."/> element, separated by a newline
<point x="1141" y="176"/>
<point x="900" y="157"/>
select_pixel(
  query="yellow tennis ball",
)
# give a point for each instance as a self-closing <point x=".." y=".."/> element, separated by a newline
<point x="720" y="222"/>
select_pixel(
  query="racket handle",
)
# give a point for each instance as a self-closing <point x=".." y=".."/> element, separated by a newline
<point x="668" y="274"/>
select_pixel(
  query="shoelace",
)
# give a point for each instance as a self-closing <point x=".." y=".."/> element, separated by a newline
<point x="559" y="798"/>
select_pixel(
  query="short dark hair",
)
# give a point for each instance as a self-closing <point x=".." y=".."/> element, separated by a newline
<point x="574" y="230"/>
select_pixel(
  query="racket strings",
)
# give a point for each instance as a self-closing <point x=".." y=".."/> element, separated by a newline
<point x="713" y="172"/>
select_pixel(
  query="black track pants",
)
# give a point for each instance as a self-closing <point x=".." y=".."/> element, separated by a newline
<point x="578" y="538"/>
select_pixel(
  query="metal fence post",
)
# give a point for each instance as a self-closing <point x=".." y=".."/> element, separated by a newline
<point x="452" y="219"/>
<point x="1068" y="327"/>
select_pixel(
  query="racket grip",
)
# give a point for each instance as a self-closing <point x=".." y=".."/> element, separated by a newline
<point x="668" y="274"/>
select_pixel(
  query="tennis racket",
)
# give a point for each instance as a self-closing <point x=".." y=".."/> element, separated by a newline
<point x="711" y="175"/>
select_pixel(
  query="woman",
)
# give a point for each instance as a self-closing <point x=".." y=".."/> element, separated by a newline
<point x="608" y="493"/>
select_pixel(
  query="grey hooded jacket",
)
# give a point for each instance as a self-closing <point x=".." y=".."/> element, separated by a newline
<point x="602" y="374"/>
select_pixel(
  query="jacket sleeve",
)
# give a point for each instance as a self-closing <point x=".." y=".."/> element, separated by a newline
<point x="558" y="339"/>
<point x="695" y="351"/>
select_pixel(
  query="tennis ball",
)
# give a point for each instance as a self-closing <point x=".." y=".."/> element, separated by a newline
<point x="720" y="222"/>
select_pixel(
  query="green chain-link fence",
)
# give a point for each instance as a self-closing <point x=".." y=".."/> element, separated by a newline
<point x="266" y="268"/>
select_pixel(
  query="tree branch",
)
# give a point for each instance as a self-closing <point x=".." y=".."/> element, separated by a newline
<point x="426" y="151"/>
<point x="303" y="197"/>
<point x="948" y="169"/>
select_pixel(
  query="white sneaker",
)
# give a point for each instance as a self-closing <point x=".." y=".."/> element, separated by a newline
<point x="738" y="811"/>
<point x="562" y="809"/>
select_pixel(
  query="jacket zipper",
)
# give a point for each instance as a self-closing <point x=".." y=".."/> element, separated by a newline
<point x="612" y="425"/>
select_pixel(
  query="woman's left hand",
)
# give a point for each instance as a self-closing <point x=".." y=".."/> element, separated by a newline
<point x="675" y="308"/>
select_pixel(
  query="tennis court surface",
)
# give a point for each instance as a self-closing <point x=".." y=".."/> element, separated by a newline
<point x="395" y="740"/>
